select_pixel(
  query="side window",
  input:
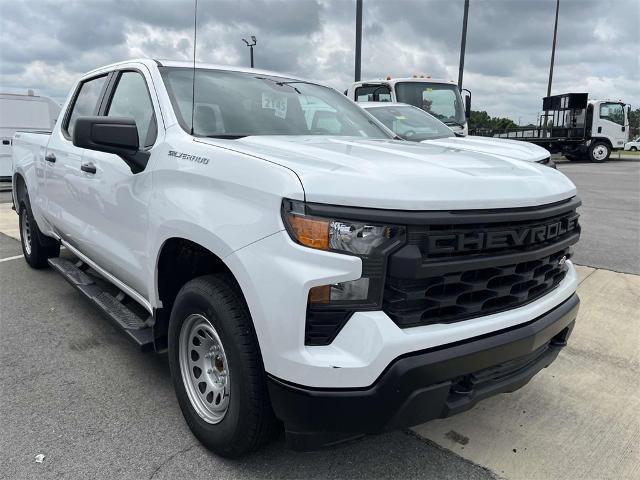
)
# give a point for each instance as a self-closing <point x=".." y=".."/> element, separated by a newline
<point x="131" y="99"/>
<point x="373" y="93"/>
<point x="86" y="102"/>
<point x="613" y="112"/>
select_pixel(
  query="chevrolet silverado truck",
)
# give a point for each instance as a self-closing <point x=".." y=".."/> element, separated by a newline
<point x="299" y="264"/>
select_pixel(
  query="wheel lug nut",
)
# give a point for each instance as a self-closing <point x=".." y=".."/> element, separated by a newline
<point x="210" y="371"/>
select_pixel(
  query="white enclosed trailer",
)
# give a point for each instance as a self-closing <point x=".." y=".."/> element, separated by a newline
<point x="27" y="113"/>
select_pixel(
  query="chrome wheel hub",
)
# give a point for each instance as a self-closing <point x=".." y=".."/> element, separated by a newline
<point x="600" y="152"/>
<point x="26" y="233"/>
<point x="204" y="368"/>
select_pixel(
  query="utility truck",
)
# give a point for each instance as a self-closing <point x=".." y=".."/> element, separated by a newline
<point x="577" y="127"/>
<point x="298" y="264"/>
<point x="442" y="99"/>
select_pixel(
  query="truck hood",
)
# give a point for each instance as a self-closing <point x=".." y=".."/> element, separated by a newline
<point x="393" y="174"/>
<point x="494" y="146"/>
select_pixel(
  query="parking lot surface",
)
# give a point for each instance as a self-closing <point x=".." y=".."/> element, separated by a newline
<point x="76" y="391"/>
<point x="610" y="213"/>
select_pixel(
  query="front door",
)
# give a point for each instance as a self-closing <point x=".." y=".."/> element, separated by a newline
<point x="611" y="124"/>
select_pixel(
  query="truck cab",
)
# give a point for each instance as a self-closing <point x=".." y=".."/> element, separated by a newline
<point x="609" y="121"/>
<point x="440" y="98"/>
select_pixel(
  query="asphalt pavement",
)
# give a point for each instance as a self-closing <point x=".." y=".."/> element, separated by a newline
<point x="610" y="213"/>
<point x="76" y="391"/>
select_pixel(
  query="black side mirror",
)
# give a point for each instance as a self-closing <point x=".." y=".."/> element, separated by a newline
<point x="117" y="135"/>
<point x="467" y="103"/>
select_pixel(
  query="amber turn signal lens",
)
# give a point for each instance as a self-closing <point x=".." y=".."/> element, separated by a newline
<point x="320" y="294"/>
<point x="311" y="232"/>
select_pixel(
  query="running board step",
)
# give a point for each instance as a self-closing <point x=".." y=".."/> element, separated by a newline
<point x="118" y="313"/>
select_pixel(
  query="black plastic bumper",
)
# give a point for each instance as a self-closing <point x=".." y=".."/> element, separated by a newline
<point x="421" y="386"/>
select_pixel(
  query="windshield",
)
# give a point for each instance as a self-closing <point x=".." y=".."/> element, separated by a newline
<point x="411" y="123"/>
<point x="441" y="100"/>
<point x="236" y="104"/>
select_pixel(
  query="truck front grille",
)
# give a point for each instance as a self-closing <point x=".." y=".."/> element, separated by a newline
<point x="456" y="296"/>
<point x="449" y="272"/>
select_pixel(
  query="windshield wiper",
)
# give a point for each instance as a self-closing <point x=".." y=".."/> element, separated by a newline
<point x="452" y="122"/>
<point x="229" y="136"/>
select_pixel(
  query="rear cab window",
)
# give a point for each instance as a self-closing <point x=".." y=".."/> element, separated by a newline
<point x="85" y="102"/>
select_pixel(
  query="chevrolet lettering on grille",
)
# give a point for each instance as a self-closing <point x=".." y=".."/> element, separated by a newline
<point x="504" y="238"/>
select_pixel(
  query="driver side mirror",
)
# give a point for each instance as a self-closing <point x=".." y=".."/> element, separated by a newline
<point x="467" y="103"/>
<point x="117" y="135"/>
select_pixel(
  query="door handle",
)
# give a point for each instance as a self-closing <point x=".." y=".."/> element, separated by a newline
<point x="50" y="157"/>
<point x="88" y="167"/>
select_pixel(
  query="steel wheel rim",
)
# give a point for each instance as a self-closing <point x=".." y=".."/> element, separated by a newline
<point x="600" y="152"/>
<point x="26" y="233"/>
<point x="204" y="368"/>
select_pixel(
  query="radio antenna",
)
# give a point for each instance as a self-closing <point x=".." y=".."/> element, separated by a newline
<point x="193" y="81"/>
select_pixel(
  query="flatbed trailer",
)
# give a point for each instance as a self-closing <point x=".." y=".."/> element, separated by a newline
<point x="576" y="127"/>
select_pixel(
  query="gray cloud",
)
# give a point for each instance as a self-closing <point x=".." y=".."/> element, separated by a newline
<point x="46" y="44"/>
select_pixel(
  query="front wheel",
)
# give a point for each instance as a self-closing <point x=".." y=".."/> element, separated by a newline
<point x="36" y="247"/>
<point x="633" y="149"/>
<point x="217" y="368"/>
<point x="599" y="152"/>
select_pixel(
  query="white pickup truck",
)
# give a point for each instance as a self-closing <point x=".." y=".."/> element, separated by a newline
<point x="297" y="262"/>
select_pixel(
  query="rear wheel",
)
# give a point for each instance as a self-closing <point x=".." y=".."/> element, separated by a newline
<point x="599" y="152"/>
<point x="217" y="368"/>
<point x="36" y="247"/>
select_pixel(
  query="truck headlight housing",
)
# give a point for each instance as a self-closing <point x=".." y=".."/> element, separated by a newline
<point x="371" y="242"/>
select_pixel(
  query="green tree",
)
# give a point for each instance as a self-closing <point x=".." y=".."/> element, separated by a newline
<point x="483" y="121"/>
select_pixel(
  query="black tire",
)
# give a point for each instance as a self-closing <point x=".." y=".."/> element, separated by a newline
<point x="573" y="157"/>
<point x="249" y="421"/>
<point x="36" y="247"/>
<point x="599" y="152"/>
<point x="633" y="149"/>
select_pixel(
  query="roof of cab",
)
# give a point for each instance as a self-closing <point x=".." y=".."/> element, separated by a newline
<point x="393" y="81"/>
<point x="186" y="64"/>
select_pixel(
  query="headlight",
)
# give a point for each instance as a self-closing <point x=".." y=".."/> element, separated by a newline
<point x="344" y="236"/>
<point x="369" y="241"/>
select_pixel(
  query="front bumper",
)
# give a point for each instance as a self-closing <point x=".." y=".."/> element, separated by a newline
<point x="421" y="386"/>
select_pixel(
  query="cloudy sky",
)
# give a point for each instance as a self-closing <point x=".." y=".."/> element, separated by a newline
<point x="45" y="45"/>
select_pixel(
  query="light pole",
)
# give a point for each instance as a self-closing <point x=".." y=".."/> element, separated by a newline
<point x="553" y="49"/>
<point x="463" y="43"/>
<point x="358" y="39"/>
<point x="251" y="45"/>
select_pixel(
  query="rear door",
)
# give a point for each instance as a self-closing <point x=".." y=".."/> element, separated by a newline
<point x="63" y="198"/>
<point x="114" y="200"/>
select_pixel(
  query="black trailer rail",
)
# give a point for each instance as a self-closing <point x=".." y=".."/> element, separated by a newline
<point x="563" y="124"/>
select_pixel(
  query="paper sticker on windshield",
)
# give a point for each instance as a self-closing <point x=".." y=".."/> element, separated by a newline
<point x="400" y="117"/>
<point x="428" y="89"/>
<point x="277" y="103"/>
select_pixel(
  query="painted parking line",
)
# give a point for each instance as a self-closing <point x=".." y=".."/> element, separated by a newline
<point x="11" y="258"/>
